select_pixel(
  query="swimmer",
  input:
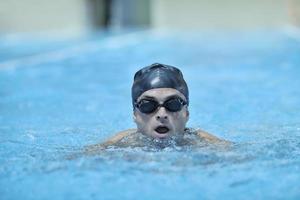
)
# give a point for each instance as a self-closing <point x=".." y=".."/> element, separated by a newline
<point x="160" y="100"/>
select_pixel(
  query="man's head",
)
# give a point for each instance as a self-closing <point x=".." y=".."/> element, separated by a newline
<point x="160" y="101"/>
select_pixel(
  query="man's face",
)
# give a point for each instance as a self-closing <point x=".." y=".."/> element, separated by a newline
<point x="161" y="123"/>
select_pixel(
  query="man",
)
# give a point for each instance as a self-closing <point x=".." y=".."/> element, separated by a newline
<point x="160" y="100"/>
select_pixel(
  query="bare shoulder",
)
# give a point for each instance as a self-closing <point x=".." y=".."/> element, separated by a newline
<point x="114" y="139"/>
<point x="110" y="141"/>
<point x="210" y="138"/>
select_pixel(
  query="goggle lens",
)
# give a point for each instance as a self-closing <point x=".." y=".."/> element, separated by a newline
<point x="148" y="106"/>
<point x="173" y="105"/>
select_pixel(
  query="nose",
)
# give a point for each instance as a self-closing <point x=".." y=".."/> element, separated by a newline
<point x="161" y="114"/>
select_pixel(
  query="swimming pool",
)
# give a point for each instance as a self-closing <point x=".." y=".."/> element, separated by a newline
<point x="244" y="87"/>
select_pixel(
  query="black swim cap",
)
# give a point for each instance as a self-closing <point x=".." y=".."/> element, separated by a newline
<point x="158" y="76"/>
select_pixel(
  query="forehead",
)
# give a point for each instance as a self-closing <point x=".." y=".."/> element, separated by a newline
<point x="161" y="93"/>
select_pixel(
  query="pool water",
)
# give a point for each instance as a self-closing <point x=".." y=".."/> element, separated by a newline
<point x="244" y="87"/>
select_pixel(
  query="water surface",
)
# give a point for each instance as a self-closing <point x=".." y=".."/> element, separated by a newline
<point x="244" y="87"/>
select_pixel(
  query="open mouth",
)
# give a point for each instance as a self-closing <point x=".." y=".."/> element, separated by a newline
<point x="162" y="129"/>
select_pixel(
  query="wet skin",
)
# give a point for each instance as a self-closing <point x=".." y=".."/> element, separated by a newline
<point x="149" y="126"/>
<point x="161" y="123"/>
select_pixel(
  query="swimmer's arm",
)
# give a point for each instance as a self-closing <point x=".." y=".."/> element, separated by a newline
<point x="211" y="138"/>
<point x="113" y="140"/>
<point x="97" y="149"/>
<point x="110" y="142"/>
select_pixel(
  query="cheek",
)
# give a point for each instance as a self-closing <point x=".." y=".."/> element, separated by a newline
<point x="180" y="115"/>
<point x="142" y="120"/>
<point x="179" y="118"/>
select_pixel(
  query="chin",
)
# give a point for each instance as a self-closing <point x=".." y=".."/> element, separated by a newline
<point x="157" y="135"/>
<point x="160" y="136"/>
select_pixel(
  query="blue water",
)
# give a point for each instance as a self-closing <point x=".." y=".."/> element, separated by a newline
<point x="244" y="87"/>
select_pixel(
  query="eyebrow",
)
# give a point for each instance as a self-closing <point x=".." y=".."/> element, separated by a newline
<point x="148" y="97"/>
<point x="167" y="98"/>
<point x="173" y="96"/>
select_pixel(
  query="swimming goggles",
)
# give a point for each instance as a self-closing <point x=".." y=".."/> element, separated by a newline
<point x="148" y="106"/>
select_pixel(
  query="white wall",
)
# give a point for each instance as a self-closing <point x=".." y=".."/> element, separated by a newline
<point x="215" y="14"/>
<point x="75" y="15"/>
<point x="43" y="15"/>
<point x="294" y="11"/>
